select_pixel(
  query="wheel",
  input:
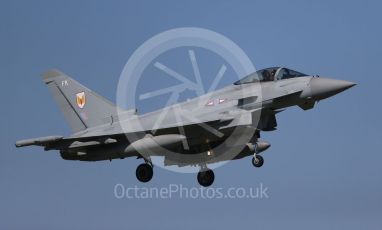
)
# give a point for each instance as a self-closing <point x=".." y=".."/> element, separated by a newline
<point x="258" y="161"/>
<point x="206" y="178"/>
<point x="144" y="172"/>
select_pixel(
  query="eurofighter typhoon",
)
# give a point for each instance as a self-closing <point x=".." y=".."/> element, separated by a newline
<point x="218" y="126"/>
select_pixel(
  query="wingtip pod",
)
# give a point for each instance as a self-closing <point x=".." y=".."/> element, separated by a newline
<point x="50" y="74"/>
<point x="37" y="141"/>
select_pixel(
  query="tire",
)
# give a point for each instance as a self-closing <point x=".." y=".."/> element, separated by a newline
<point x="144" y="173"/>
<point x="258" y="161"/>
<point x="206" y="178"/>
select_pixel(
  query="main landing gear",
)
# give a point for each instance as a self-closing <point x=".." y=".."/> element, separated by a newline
<point x="206" y="177"/>
<point x="144" y="172"/>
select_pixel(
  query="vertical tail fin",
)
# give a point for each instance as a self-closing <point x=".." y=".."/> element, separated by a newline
<point x="82" y="108"/>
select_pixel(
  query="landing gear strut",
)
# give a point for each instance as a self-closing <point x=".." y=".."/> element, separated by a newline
<point x="144" y="172"/>
<point x="257" y="160"/>
<point x="206" y="177"/>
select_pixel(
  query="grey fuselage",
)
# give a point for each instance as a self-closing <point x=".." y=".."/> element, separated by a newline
<point x="228" y="108"/>
<point x="217" y="126"/>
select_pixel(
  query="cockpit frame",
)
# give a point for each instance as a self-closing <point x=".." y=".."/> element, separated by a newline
<point x="270" y="74"/>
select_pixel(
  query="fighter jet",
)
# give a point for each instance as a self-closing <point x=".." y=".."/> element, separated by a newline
<point x="218" y="126"/>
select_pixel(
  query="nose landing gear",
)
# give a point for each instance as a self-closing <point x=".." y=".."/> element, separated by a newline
<point x="257" y="161"/>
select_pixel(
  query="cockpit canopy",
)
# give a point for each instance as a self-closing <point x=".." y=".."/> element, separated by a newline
<point x="270" y="74"/>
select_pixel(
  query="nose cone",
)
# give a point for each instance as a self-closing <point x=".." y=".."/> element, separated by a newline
<point x="322" y="88"/>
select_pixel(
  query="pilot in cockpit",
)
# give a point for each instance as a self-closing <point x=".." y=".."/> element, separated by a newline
<point x="266" y="75"/>
<point x="273" y="74"/>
